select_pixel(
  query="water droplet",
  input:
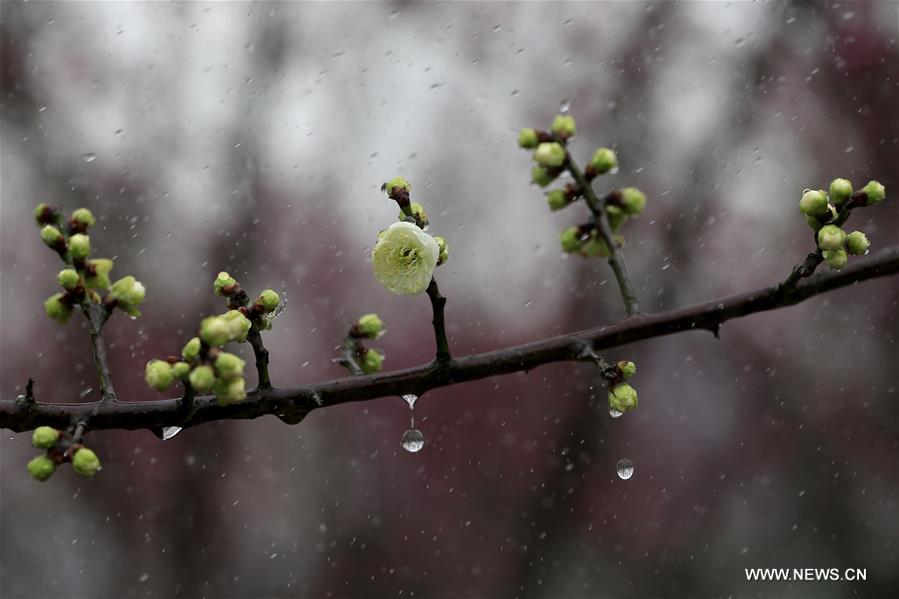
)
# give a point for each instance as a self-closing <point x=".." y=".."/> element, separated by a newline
<point x="739" y="42"/>
<point x="413" y="440"/>
<point x="564" y="106"/>
<point x="170" y="431"/>
<point x="514" y="93"/>
<point x="615" y="413"/>
<point x="89" y="157"/>
<point x="625" y="469"/>
<point x="410" y="399"/>
<point x="497" y="28"/>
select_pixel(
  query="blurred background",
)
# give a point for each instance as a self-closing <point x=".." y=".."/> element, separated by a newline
<point x="254" y="138"/>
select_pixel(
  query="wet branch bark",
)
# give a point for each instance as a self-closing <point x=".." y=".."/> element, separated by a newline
<point x="438" y="302"/>
<point x="292" y="404"/>
<point x="97" y="315"/>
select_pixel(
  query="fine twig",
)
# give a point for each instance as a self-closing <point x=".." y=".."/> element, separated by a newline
<point x="300" y="400"/>
<point x="438" y="302"/>
<point x="255" y="339"/>
<point x="597" y="207"/>
<point x="97" y="315"/>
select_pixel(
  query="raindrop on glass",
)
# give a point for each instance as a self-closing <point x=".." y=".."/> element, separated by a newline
<point x="615" y="413"/>
<point x="89" y="157"/>
<point x="625" y="469"/>
<point x="413" y="440"/>
<point x="565" y="106"/>
<point x="170" y="431"/>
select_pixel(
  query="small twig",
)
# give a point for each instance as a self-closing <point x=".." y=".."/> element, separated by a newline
<point x="597" y="207"/>
<point x="97" y="315"/>
<point x="29" y="391"/>
<point x="298" y="401"/>
<point x="438" y="302"/>
<point x="261" y="353"/>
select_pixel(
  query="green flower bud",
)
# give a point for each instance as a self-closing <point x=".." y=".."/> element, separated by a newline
<point x="528" y="139"/>
<point x="51" y="236"/>
<point x="397" y="183"/>
<point x="228" y="366"/>
<point x="418" y="211"/>
<point x="239" y="325"/>
<point x="44" y="213"/>
<point x="443" y="248"/>
<point x="616" y="216"/>
<point x="814" y="223"/>
<point x="57" y="309"/>
<point x="202" y="378"/>
<point x="633" y="201"/>
<point x="840" y="191"/>
<point x="541" y="176"/>
<point x="85" y="462"/>
<point x="181" y="370"/>
<point x="571" y="240"/>
<point x="372" y="361"/>
<point x="836" y="259"/>
<point x="550" y="154"/>
<point x="44" y="437"/>
<point x="557" y="199"/>
<point x="41" y="467"/>
<point x="875" y="192"/>
<point x="604" y="160"/>
<point x="268" y="300"/>
<point x="627" y="369"/>
<point x="191" y="349"/>
<point x="223" y="284"/>
<point x="814" y="203"/>
<point x="622" y="397"/>
<point x="68" y="278"/>
<point x="83" y="218"/>
<point x="831" y="237"/>
<point x="158" y="375"/>
<point x="100" y="268"/>
<point x="857" y="243"/>
<point x="215" y="331"/>
<point x="370" y="326"/>
<point x="79" y="246"/>
<point x="228" y="392"/>
<point x="563" y="126"/>
<point x="129" y="293"/>
<point x="595" y="246"/>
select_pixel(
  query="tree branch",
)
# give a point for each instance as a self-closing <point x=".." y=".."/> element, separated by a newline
<point x="261" y="353"/>
<point x="292" y="404"/>
<point x="597" y="206"/>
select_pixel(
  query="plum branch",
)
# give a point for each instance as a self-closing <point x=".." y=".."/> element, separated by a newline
<point x="291" y="404"/>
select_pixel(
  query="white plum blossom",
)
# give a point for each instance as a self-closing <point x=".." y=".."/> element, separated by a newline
<point x="404" y="259"/>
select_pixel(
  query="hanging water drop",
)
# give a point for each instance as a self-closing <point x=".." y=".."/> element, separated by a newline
<point x="413" y="440"/>
<point x="564" y="106"/>
<point x="410" y="399"/>
<point x="625" y="469"/>
<point x="170" y="431"/>
<point x="615" y="413"/>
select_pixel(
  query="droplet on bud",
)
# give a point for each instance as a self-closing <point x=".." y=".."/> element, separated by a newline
<point x="625" y="469"/>
<point x="413" y="440"/>
<point x="615" y="413"/>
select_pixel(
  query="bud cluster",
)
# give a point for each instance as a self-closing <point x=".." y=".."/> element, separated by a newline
<point x="356" y="356"/>
<point x="203" y="365"/>
<point x="622" y="397"/>
<point x="552" y="159"/>
<point x="825" y="212"/>
<point x="84" y="278"/>
<point x="59" y="448"/>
